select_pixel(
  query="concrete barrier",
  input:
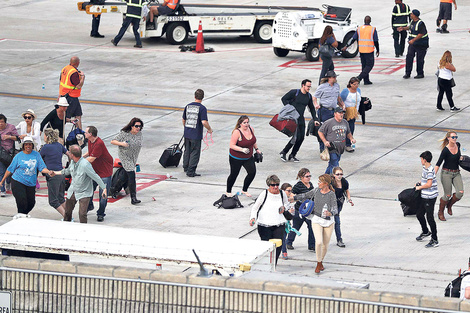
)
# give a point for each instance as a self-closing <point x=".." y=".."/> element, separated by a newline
<point x="46" y="285"/>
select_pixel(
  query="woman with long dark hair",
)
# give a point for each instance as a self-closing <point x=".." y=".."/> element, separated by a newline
<point x="351" y="96"/>
<point x="341" y="186"/>
<point x="242" y="145"/>
<point x="444" y="81"/>
<point x="450" y="175"/>
<point x="129" y="141"/>
<point x="328" y="39"/>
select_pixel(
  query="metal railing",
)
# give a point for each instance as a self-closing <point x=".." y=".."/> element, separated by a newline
<point x="39" y="291"/>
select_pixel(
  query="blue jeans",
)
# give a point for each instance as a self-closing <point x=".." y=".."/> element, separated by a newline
<point x="324" y="115"/>
<point x="103" y="201"/>
<point x="333" y="162"/>
<point x="352" y="126"/>
<point x="338" y="222"/>
<point x="297" y="222"/>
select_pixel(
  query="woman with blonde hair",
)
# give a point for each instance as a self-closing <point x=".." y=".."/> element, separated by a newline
<point x="322" y="222"/>
<point x="450" y="174"/>
<point x="52" y="153"/>
<point x="242" y="145"/>
<point x="445" y="81"/>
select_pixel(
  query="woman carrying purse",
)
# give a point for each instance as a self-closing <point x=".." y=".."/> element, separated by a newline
<point x="445" y="81"/>
<point x="327" y="45"/>
<point x="352" y="98"/>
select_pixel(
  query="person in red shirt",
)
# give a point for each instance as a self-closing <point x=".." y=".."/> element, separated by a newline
<point x="102" y="163"/>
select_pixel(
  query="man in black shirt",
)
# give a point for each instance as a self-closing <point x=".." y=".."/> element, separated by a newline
<point x="299" y="99"/>
<point x="417" y="45"/>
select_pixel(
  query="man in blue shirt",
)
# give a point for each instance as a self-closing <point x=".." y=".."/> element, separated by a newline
<point x="194" y="118"/>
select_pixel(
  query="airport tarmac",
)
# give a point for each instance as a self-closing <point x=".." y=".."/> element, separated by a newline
<point x="37" y="39"/>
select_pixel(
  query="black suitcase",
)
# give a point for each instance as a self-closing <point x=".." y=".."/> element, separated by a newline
<point x="172" y="155"/>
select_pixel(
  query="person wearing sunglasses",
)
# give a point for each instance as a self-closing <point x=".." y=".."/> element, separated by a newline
<point x="129" y="141"/>
<point x="30" y="127"/>
<point x="287" y="188"/>
<point x="302" y="186"/>
<point x="324" y="208"/>
<point x="268" y="212"/>
<point x="341" y="186"/>
<point x="450" y="175"/>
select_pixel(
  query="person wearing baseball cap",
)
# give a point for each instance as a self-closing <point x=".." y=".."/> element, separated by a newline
<point x="418" y="45"/>
<point x="333" y="134"/>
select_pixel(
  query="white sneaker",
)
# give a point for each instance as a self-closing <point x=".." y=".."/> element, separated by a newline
<point x="3" y="194"/>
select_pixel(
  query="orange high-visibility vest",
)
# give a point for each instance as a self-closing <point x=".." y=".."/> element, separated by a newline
<point x="65" y="83"/>
<point x="366" y="39"/>
<point x="447" y="1"/>
<point x="171" y="3"/>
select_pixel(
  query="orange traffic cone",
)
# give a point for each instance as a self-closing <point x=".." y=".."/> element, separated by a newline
<point x="200" y="40"/>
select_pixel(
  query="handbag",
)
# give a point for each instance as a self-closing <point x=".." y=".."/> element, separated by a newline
<point x="258" y="157"/>
<point x="5" y="156"/>
<point x="325" y="50"/>
<point x="452" y="83"/>
<point x="325" y="155"/>
<point x="366" y="106"/>
<point x="351" y="112"/>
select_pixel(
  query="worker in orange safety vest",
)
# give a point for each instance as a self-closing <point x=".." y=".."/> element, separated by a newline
<point x="71" y="83"/>
<point x="167" y="7"/>
<point x="445" y="14"/>
<point x="368" y="40"/>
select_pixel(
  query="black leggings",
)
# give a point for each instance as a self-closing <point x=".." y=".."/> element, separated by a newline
<point x="235" y="167"/>
<point x="25" y="196"/>
<point x="444" y="87"/>
<point x="273" y="232"/>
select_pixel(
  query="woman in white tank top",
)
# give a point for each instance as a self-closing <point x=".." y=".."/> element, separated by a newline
<point x="445" y="81"/>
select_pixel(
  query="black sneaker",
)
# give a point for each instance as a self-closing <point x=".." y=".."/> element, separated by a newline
<point x="368" y="82"/>
<point x="419" y="76"/>
<point x="406" y="76"/>
<point x="438" y="30"/>
<point x="289" y="247"/>
<point x="283" y="156"/>
<point x="432" y="244"/>
<point x="311" y="249"/>
<point x="454" y="109"/>
<point x="440" y="109"/>
<point x="341" y="244"/>
<point x="423" y="235"/>
<point x="112" y="41"/>
<point x="293" y="158"/>
<point x="100" y="218"/>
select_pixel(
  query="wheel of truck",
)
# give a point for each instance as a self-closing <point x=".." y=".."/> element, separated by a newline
<point x="176" y="33"/>
<point x="263" y="31"/>
<point x="313" y="52"/>
<point x="353" y="49"/>
<point x="280" y="52"/>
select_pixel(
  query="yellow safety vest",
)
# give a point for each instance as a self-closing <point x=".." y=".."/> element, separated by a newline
<point x="66" y="86"/>
<point x="401" y="18"/>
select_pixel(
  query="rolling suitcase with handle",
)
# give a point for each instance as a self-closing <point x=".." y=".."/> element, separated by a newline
<point x="172" y="155"/>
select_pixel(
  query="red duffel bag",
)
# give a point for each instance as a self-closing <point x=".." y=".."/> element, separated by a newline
<point x="286" y="127"/>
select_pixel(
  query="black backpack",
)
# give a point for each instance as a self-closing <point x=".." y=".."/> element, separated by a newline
<point x="118" y="182"/>
<point x="227" y="202"/>
<point x="453" y="288"/>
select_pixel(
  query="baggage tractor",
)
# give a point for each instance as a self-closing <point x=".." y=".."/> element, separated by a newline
<point x="172" y="155"/>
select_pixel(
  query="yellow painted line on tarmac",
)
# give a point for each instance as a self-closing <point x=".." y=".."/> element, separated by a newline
<point x="221" y="112"/>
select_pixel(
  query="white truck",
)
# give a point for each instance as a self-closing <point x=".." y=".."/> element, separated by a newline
<point x="238" y="20"/>
<point x="301" y="31"/>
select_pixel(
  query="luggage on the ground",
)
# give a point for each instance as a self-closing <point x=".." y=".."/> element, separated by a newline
<point x="286" y="127"/>
<point x="410" y="201"/>
<point x="118" y="182"/>
<point x="172" y="155"/>
<point x="453" y="288"/>
<point x="76" y="137"/>
<point x="464" y="162"/>
<point x="227" y="202"/>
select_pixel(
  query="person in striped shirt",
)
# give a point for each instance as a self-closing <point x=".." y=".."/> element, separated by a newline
<point x="429" y="194"/>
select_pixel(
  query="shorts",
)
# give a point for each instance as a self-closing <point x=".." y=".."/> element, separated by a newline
<point x="445" y="11"/>
<point x="74" y="109"/>
<point x="164" y="10"/>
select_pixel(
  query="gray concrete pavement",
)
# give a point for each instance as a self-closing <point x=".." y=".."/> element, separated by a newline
<point x="245" y="77"/>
